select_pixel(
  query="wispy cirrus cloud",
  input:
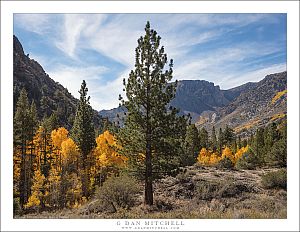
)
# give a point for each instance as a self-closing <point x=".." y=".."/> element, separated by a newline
<point x="37" y="23"/>
<point x="71" y="76"/>
<point x="227" y="49"/>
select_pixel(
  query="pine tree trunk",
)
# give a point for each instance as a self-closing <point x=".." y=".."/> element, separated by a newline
<point x="148" y="176"/>
<point x="85" y="177"/>
<point x="22" y="185"/>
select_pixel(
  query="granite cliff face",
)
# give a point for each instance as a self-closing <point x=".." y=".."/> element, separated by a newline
<point x="263" y="103"/>
<point x="197" y="96"/>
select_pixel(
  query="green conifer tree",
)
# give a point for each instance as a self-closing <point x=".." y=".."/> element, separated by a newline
<point x="21" y="128"/>
<point x="83" y="134"/>
<point x="203" y="138"/>
<point x="229" y="136"/>
<point x="153" y="133"/>
<point x="213" y="139"/>
<point x="258" y="146"/>
<point x="220" y="140"/>
<point x="191" y="145"/>
<point x="25" y="122"/>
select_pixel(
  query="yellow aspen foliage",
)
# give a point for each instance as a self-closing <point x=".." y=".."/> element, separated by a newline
<point x="69" y="151"/>
<point x="214" y="158"/>
<point x="37" y="188"/>
<point x="106" y="151"/>
<point x="58" y="136"/>
<point x="207" y="157"/>
<point x="204" y="156"/>
<point x="240" y="152"/>
<point x="43" y="146"/>
<point x="228" y="153"/>
<point x="278" y="96"/>
<point x="16" y="170"/>
<point x="106" y="158"/>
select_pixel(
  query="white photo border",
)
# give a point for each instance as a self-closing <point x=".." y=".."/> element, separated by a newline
<point x="8" y="8"/>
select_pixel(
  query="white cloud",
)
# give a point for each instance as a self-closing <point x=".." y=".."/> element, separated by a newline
<point x="71" y="77"/>
<point x="251" y="76"/>
<point x="74" y="27"/>
<point x="106" y="96"/>
<point x="37" y="23"/>
<point x="216" y="65"/>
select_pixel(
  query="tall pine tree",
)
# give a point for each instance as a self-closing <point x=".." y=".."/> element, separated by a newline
<point x="83" y="133"/>
<point x="203" y="138"/>
<point x="220" y="140"/>
<point x="153" y="131"/>
<point x="214" y="139"/>
<point x="191" y="145"/>
<point x="229" y="137"/>
<point x="25" y="123"/>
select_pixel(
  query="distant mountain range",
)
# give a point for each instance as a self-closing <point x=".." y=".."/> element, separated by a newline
<point x="243" y="108"/>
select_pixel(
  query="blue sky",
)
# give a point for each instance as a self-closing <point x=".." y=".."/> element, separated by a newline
<point x="227" y="49"/>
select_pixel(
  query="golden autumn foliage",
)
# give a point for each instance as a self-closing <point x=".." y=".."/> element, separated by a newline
<point x="37" y="195"/>
<point x="277" y="116"/>
<point x="58" y="136"/>
<point x="240" y="152"/>
<point x="278" y="96"/>
<point x="106" y="151"/>
<point x="227" y="153"/>
<point x="207" y="157"/>
<point x="69" y="151"/>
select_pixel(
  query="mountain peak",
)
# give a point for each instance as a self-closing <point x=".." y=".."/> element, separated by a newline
<point x="18" y="48"/>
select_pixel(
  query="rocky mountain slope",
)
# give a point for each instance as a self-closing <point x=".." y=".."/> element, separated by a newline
<point x="265" y="102"/>
<point x="244" y="107"/>
<point x="196" y="96"/>
<point x="192" y="97"/>
<point x="48" y="95"/>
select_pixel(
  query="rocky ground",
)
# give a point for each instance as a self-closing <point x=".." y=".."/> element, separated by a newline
<point x="196" y="192"/>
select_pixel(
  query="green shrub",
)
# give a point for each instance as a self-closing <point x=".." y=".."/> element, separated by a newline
<point x="207" y="190"/>
<point x="163" y="204"/>
<point x="247" y="161"/>
<point x="225" y="163"/>
<point x="118" y="192"/>
<point x="183" y="177"/>
<point x="278" y="154"/>
<point x="276" y="179"/>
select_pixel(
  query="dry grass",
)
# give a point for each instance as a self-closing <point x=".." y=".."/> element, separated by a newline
<point x="236" y="194"/>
